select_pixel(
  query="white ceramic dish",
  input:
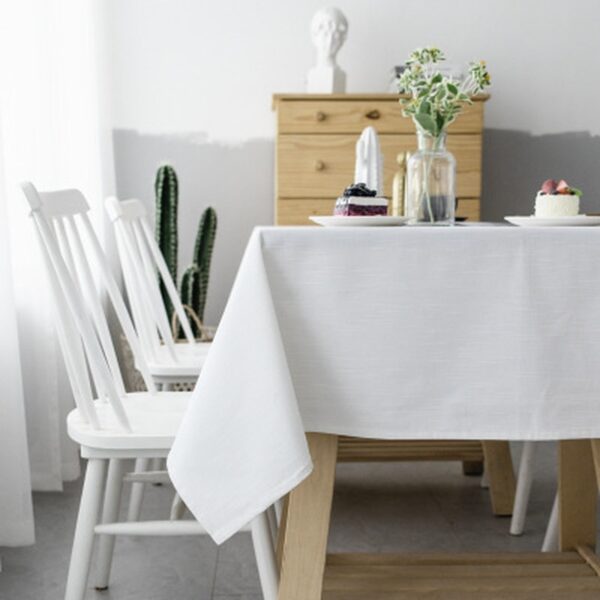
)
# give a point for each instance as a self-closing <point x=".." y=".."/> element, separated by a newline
<point x="358" y="221"/>
<point x="578" y="221"/>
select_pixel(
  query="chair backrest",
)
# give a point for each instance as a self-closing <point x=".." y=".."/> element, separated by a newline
<point x="73" y="255"/>
<point x="143" y="268"/>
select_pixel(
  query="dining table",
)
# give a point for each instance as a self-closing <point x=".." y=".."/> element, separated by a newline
<point x="398" y="333"/>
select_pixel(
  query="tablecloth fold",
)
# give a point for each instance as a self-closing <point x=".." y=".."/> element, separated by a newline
<point x="243" y="424"/>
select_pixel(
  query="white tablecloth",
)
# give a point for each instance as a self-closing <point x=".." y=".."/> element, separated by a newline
<point x="406" y="333"/>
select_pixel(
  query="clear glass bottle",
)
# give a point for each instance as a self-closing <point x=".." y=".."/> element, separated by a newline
<point x="431" y="176"/>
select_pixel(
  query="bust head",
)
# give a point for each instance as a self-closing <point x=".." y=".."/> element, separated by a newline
<point x="328" y="29"/>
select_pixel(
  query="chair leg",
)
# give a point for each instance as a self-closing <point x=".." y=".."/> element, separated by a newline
<point x="524" y="481"/>
<point x="177" y="508"/>
<point x="137" y="491"/>
<point x="273" y="524"/>
<point x="110" y="514"/>
<point x="550" y="543"/>
<point x="159" y="464"/>
<point x="265" y="557"/>
<point x="278" y="510"/>
<point x="87" y="518"/>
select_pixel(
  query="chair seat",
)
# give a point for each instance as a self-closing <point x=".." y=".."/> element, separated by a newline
<point x="154" y="420"/>
<point x="189" y="360"/>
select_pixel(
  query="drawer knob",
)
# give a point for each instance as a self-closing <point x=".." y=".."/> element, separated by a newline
<point x="373" y="114"/>
<point x="319" y="165"/>
<point x="321" y="116"/>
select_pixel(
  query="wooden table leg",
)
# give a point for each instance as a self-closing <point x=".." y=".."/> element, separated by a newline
<point x="596" y="455"/>
<point x="578" y="495"/>
<point x="472" y="468"/>
<point x="501" y="476"/>
<point x="303" y="546"/>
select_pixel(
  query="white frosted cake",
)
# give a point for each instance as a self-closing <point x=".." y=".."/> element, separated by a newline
<point x="557" y="199"/>
<point x="556" y="205"/>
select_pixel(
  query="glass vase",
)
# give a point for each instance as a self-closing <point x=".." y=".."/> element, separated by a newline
<point x="430" y="185"/>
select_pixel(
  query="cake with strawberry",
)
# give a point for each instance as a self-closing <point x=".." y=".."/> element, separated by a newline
<point x="358" y="200"/>
<point x="557" y="199"/>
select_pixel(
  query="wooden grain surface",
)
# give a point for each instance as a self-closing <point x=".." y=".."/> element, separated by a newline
<point x="353" y="115"/>
<point x="320" y="166"/>
<point x="306" y="530"/>
<point x="501" y="476"/>
<point x="578" y="494"/>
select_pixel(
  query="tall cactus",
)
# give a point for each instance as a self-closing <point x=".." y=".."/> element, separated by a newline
<point x="194" y="283"/>
<point x="165" y="187"/>
<point x="203" y="250"/>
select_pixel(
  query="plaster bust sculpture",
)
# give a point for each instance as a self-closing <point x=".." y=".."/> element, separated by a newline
<point x="328" y="29"/>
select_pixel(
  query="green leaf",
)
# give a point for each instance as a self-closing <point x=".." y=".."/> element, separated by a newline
<point x="452" y="88"/>
<point x="440" y="122"/>
<point x="425" y="107"/>
<point x="437" y="78"/>
<point x="426" y="122"/>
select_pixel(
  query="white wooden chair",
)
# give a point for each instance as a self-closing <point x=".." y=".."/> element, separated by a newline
<point x="143" y="266"/>
<point x="116" y="426"/>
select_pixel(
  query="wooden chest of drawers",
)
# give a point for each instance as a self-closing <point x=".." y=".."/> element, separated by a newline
<point x="316" y="138"/>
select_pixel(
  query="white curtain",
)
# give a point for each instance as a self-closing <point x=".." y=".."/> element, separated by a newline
<point x="52" y="134"/>
<point x="16" y="520"/>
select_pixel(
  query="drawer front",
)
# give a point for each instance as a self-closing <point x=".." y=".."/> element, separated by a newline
<point x="352" y="116"/>
<point x="321" y="166"/>
<point x="296" y="211"/>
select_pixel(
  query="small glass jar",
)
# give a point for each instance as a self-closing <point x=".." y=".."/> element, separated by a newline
<point x="430" y="185"/>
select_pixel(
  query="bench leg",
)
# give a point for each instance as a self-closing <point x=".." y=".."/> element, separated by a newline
<point x="501" y="476"/>
<point x="578" y="494"/>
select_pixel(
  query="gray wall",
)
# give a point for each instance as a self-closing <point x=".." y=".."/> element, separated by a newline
<point x="236" y="180"/>
<point x="191" y="82"/>
<point x="515" y="162"/>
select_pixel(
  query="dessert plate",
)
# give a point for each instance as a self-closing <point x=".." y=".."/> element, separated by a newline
<point x="358" y="221"/>
<point x="532" y="221"/>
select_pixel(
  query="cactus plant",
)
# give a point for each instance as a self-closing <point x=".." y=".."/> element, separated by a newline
<point x="165" y="187"/>
<point x="203" y="249"/>
<point x="194" y="283"/>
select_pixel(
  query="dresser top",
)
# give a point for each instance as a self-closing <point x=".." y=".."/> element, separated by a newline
<point x="329" y="97"/>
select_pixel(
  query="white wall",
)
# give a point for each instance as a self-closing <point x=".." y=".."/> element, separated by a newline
<point x="199" y="75"/>
<point x="211" y="67"/>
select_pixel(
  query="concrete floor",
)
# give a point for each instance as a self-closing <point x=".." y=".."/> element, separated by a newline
<point x="377" y="507"/>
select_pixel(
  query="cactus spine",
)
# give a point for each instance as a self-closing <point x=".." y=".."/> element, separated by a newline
<point x="194" y="283"/>
<point x="165" y="187"/>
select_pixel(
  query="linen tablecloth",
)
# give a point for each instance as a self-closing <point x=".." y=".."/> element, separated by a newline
<point x="399" y="333"/>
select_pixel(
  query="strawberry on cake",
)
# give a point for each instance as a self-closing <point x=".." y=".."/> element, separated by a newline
<point x="557" y="199"/>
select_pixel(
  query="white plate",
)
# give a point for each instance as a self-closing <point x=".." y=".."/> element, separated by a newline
<point x="358" y="221"/>
<point x="532" y="221"/>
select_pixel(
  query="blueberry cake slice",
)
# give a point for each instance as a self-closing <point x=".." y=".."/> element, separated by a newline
<point x="359" y="200"/>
